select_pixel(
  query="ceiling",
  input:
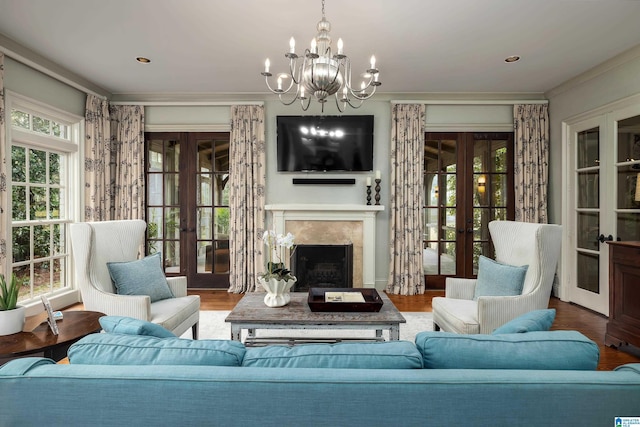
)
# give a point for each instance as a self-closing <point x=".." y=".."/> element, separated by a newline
<point x="421" y="46"/>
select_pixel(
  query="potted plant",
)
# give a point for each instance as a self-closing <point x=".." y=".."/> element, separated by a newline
<point x="277" y="280"/>
<point x="11" y="315"/>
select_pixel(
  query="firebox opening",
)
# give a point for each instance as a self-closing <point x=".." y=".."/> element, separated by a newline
<point x="322" y="266"/>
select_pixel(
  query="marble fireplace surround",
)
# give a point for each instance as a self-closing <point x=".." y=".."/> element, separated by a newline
<point x="331" y="224"/>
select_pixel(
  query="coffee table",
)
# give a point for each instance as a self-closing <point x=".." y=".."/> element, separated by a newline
<point x="74" y="325"/>
<point x="251" y="313"/>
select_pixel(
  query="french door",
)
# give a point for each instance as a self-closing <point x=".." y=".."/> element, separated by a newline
<point x="188" y="205"/>
<point x="604" y="201"/>
<point x="468" y="182"/>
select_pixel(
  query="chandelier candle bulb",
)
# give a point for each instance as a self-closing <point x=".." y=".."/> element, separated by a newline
<point x="373" y="62"/>
<point x="267" y="64"/>
<point x="279" y="83"/>
<point x="340" y="46"/>
<point x="292" y="45"/>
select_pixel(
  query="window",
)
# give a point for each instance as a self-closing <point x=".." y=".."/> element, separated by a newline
<point x="43" y="146"/>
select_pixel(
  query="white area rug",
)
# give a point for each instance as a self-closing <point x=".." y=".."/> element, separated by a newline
<point x="213" y="326"/>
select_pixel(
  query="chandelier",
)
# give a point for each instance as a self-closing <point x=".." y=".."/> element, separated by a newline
<point x="320" y="73"/>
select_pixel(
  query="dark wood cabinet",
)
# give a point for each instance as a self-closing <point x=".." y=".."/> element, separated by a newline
<point x="624" y="294"/>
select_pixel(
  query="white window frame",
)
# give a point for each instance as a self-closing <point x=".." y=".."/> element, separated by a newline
<point x="73" y="150"/>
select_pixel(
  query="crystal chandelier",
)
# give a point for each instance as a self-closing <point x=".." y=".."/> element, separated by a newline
<point x="320" y="73"/>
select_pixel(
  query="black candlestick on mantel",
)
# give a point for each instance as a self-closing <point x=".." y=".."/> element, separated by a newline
<point x="368" y="194"/>
<point x="378" y="191"/>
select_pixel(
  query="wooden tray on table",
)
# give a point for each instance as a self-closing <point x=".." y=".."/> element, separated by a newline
<point x="344" y="299"/>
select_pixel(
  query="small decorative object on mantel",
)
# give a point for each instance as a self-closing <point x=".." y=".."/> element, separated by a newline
<point x="378" y="181"/>
<point x="368" y="190"/>
<point x="12" y="316"/>
<point x="277" y="280"/>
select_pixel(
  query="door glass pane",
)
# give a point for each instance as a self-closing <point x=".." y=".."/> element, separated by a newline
<point x="588" y="189"/>
<point x="588" y="229"/>
<point x="628" y="226"/>
<point x="203" y="196"/>
<point x="221" y="190"/>
<point x="221" y="230"/>
<point x="205" y="223"/>
<point x="629" y="140"/>
<point x="431" y="224"/>
<point x="154" y="155"/>
<point x="448" y="195"/>
<point x="172" y="156"/>
<point x="205" y="155"/>
<point x="171" y="196"/>
<point x="628" y="178"/>
<point x="588" y="272"/>
<point x="588" y="148"/>
<point x="171" y="223"/>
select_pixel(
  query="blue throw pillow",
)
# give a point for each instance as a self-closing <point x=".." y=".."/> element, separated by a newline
<point x="536" y="320"/>
<point x="496" y="279"/>
<point x="117" y="349"/>
<point x="141" y="277"/>
<point x="131" y="326"/>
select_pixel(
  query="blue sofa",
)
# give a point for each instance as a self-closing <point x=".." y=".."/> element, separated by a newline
<point x="441" y="379"/>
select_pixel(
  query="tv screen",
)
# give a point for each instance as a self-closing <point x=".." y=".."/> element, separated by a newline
<point x="325" y="143"/>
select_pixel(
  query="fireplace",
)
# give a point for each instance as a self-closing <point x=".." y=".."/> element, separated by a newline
<point x="322" y="266"/>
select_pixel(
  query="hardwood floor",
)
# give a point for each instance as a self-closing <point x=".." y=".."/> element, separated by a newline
<point x="568" y="317"/>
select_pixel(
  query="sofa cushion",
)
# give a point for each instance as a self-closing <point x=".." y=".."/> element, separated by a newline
<point x="140" y="277"/>
<point x="371" y="355"/>
<point x="130" y="326"/>
<point x="536" y="320"/>
<point x="118" y="349"/>
<point x="497" y="279"/>
<point x="533" y="350"/>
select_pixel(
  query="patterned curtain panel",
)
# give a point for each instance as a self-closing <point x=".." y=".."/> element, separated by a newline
<point x="246" y="196"/>
<point x="97" y="159"/>
<point x="531" y="169"/>
<point x="4" y="194"/>
<point x="128" y="193"/>
<point x="407" y="159"/>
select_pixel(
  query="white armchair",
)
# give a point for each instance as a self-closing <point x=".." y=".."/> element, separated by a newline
<point x="516" y="243"/>
<point x="95" y="244"/>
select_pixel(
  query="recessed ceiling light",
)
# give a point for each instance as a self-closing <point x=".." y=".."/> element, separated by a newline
<point x="512" y="58"/>
<point x="143" y="60"/>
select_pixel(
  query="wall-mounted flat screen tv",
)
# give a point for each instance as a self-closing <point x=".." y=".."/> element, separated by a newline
<point x="325" y="143"/>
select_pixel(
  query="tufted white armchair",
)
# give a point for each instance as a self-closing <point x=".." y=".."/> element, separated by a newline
<point x="516" y="243"/>
<point x="96" y="243"/>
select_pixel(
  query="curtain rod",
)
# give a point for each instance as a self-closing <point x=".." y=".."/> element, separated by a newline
<point x="472" y="102"/>
<point x="186" y="103"/>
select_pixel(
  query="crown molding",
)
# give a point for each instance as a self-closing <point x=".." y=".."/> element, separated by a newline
<point x="615" y="62"/>
<point x="38" y="62"/>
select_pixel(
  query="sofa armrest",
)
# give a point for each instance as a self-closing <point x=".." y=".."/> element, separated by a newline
<point x="460" y="288"/>
<point x="178" y="286"/>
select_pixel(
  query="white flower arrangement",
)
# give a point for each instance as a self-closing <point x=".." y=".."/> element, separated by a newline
<point x="277" y="245"/>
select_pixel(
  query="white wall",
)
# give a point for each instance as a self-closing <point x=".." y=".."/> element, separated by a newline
<point x="26" y="81"/>
<point x="581" y="96"/>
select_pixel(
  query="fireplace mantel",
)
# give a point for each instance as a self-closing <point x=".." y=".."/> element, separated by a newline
<point x="281" y="213"/>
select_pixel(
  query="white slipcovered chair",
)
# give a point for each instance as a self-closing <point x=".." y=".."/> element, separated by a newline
<point x="94" y="244"/>
<point x="518" y="244"/>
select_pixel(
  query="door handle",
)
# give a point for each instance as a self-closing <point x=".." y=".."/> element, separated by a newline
<point x="603" y="239"/>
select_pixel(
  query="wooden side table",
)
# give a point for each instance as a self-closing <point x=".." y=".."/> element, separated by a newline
<point x="74" y="326"/>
